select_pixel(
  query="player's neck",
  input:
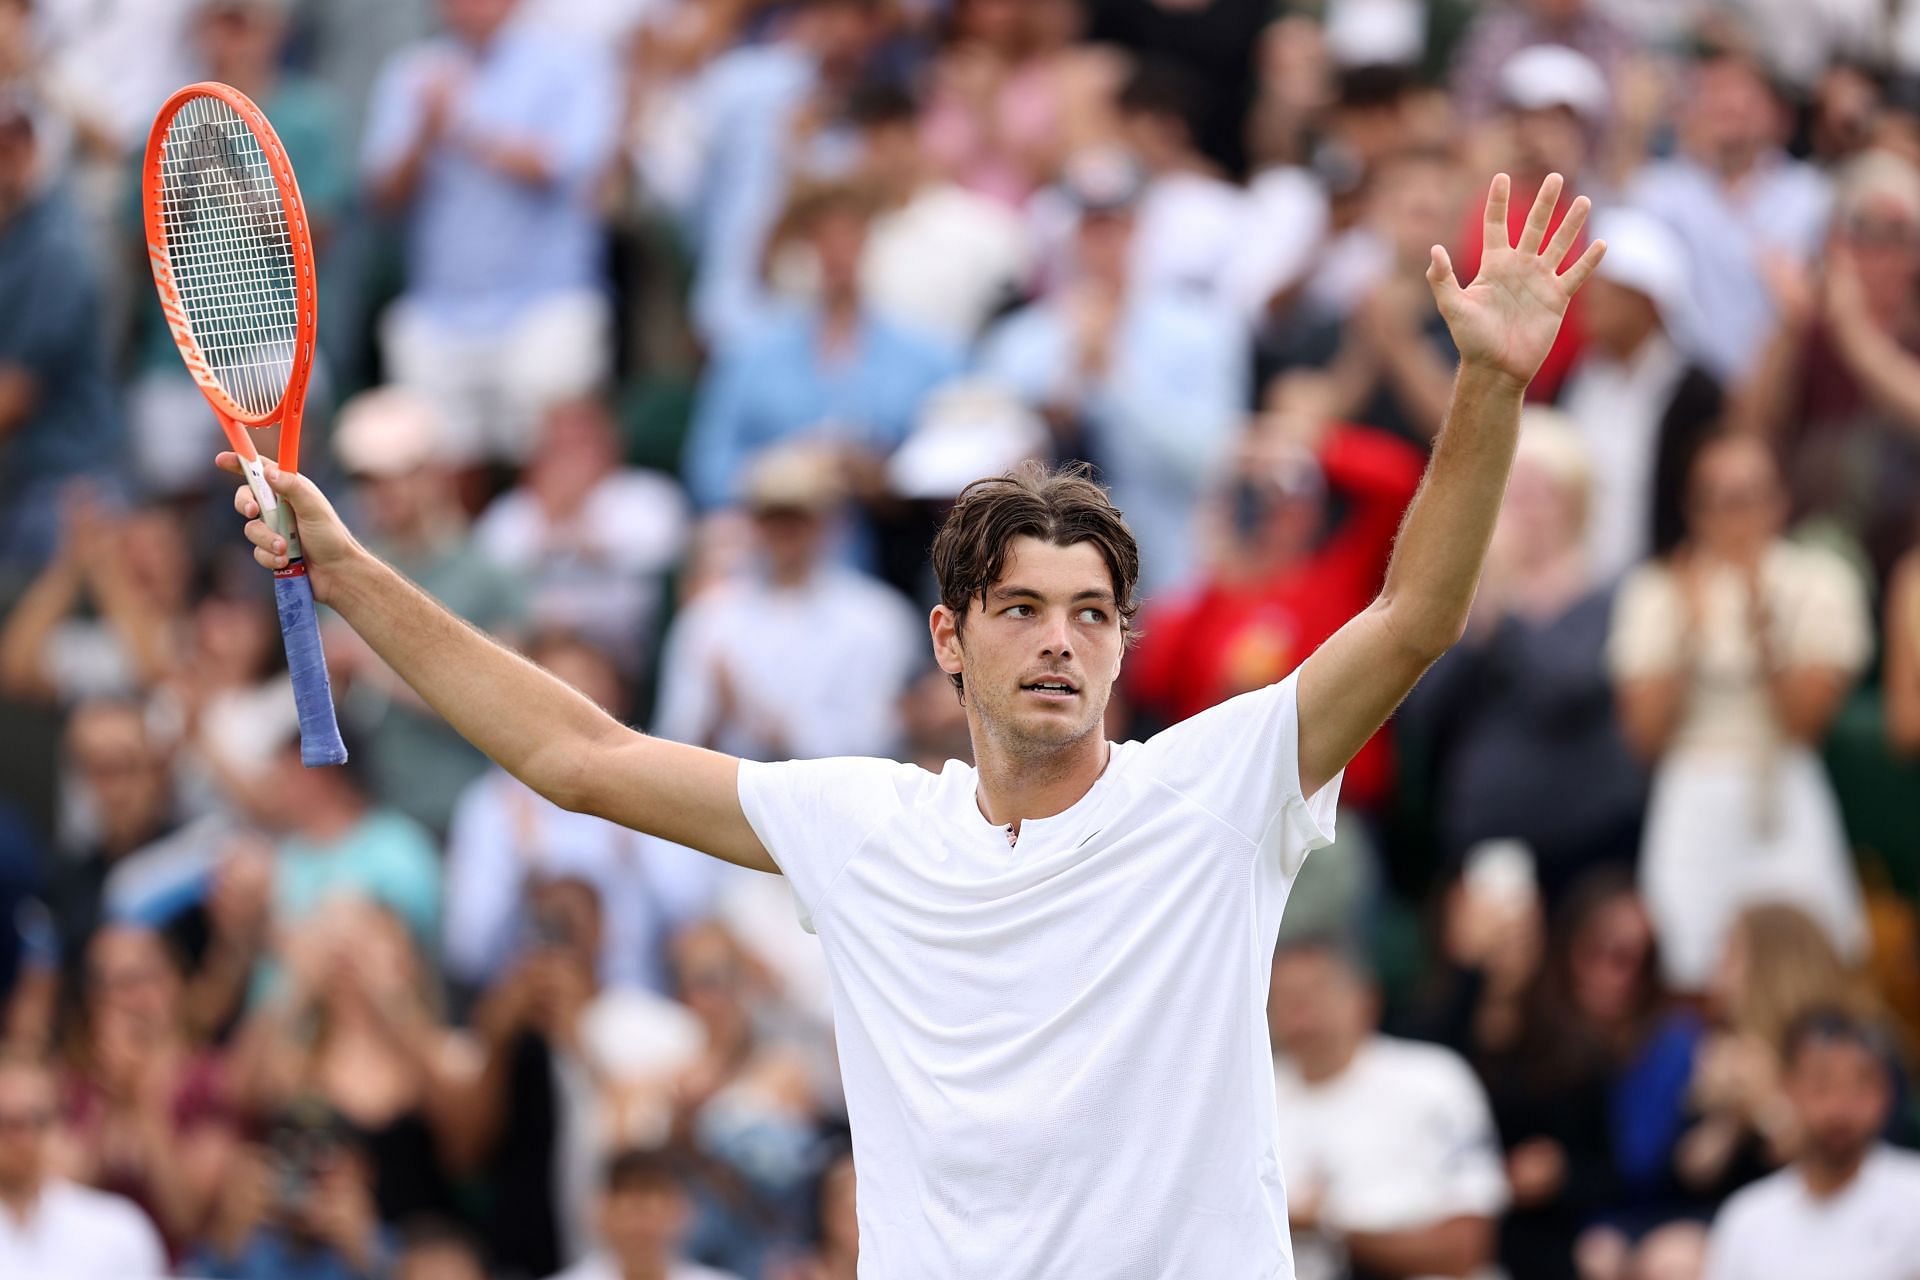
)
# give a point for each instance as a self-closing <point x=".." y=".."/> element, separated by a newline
<point x="1015" y="785"/>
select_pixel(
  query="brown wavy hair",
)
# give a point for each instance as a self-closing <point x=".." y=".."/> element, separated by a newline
<point x="1062" y="505"/>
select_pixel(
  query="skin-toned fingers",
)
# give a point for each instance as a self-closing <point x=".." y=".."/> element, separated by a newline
<point x="1569" y="232"/>
<point x="1494" y="233"/>
<point x="1535" y="233"/>
<point x="262" y="535"/>
<point x="1440" y="277"/>
<point x="1576" y="275"/>
<point x="245" y="503"/>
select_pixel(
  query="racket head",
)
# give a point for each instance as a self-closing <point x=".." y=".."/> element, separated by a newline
<point x="232" y="259"/>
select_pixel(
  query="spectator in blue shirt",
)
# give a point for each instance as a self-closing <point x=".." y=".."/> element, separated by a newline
<point x="1150" y="385"/>
<point x="491" y="141"/>
<point x="58" y="417"/>
<point x="831" y="370"/>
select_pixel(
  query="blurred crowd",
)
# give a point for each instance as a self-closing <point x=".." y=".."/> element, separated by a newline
<point x="656" y="337"/>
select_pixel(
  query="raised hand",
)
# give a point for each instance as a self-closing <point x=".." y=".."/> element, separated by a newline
<point x="1506" y="320"/>
<point x="324" y="540"/>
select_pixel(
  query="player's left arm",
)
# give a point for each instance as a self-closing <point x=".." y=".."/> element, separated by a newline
<point x="1504" y="323"/>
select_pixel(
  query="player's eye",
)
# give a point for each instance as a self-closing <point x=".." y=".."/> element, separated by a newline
<point x="1019" y="610"/>
<point x="1093" y="616"/>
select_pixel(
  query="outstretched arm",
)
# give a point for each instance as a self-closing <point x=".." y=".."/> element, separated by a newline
<point x="532" y="724"/>
<point x="1504" y="323"/>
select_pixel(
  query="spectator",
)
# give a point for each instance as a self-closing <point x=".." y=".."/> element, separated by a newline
<point x="573" y="1070"/>
<point x="491" y="141"/>
<point x="833" y="370"/>
<point x="1517" y="721"/>
<point x="1737" y="202"/>
<point x="776" y="122"/>
<point x="48" y="1225"/>
<point x="390" y="441"/>
<point x="1730" y="660"/>
<point x="1151" y="385"/>
<point x="1498" y="34"/>
<point x="135" y="573"/>
<point x="1903" y="658"/>
<point x="145" y="1109"/>
<point x="643" y="1215"/>
<point x="298" y="1208"/>
<point x="738" y="676"/>
<point x="1364" y="318"/>
<point x="746" y="1112"/>
<point x="357" y="1036"/>
<point x="58" y="412"/>
<point x="1013" y="95"/>
<point x="1284" y="573"/>
<point x="1840" y="385"/>
<point x="1567" y="1029"/>
<point x="1641" y="404"/>
<point x="941" y="259"/>
<point x="1388" y="1150"/>
<point x="1777" y="967"/>
<point x="593" y="540"/>
<point x="125" y="780"/>
<point x="504" y="838"/>
<point x="240" y="43"/>
<point x="1192" y="220"/>
<point x="1213" y="41"/>
<point x="334" y="840"/>
<point x="1848" y="1198"/>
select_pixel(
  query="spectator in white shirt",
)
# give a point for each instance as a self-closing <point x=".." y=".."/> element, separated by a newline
<point x="801" y="657"/>
<point x="643" y="1215"/>
<point x="1193" y="222"/>
<point x="51" y="1227"/>
<point x="504" y="837"/>
<point x="1641" y="404"/>
<point x="1387" y="1147"/>
<point x="594" y="540"/>
<point x="1847" y="1206"/>
<point x="939" y="258"/>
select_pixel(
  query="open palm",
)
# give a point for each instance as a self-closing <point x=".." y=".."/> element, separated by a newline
<point x="1507" y="319"/>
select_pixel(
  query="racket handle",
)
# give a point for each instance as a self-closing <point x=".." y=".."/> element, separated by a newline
<point x="320" y="742"/>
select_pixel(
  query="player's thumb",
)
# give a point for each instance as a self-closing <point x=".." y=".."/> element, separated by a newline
<point x="291" y="485"/>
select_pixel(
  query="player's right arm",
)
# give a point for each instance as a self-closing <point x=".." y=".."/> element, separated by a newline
<point x="530" y="723"/>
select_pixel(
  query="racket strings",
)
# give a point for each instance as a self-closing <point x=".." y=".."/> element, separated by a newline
<point x="230" y="252"/>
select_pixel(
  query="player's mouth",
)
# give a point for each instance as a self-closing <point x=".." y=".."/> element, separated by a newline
<point x="1051" y="689"/>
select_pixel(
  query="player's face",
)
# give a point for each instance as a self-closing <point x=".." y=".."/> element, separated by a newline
<point x="1041" y="653"/>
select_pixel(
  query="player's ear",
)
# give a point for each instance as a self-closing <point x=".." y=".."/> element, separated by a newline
<point x="944" y="625"/>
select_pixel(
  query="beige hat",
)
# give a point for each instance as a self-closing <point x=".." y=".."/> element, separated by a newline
<point x="387" y="432"/>
<point x="804" y="475"/>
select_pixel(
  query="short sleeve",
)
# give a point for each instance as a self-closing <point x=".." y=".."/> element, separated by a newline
<point x="1471" y="1173"/>
<point x="1830" y="625"/>
<point x="1644" y="639"/>
<point x="1240" y="761"/>
<point x="1728" y="1244"/>
<point x="813" y="816"/>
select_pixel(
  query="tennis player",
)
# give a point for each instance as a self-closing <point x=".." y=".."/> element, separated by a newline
<point x="1050" y="970"/>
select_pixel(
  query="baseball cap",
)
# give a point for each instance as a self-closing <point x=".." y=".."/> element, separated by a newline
<point x="1552" y="75"/>
<point x="1106" y="179"/>
<point x="799" y="476"/>
<point x="387" y="432"/>
<point x="966" y="430"/>
<point x="1644" y="255"/>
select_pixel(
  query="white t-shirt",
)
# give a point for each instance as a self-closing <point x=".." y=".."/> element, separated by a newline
<point x="1400" y="1140"/>
<point x="1870" y="1230"/>
<point x="77" y="1233"/>
<point x="601" y="1267"/>
<point x="1055" y="1054"/>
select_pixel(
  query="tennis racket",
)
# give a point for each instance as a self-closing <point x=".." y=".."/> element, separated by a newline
<point x="232" y="258"/>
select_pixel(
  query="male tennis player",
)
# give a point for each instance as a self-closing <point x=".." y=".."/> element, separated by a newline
<point x="1050" y="971"/>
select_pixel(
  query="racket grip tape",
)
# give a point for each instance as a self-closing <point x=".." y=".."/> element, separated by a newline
<point x="320" y="742"/>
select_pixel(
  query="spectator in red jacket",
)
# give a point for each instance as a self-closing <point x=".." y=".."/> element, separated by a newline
<point x="1305" y="526"/>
